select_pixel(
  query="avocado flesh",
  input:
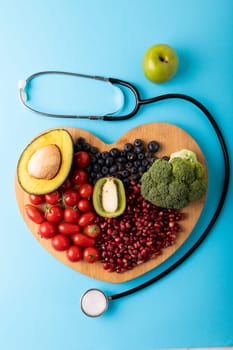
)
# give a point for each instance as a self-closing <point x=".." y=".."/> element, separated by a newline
<point x="63" y="140"/>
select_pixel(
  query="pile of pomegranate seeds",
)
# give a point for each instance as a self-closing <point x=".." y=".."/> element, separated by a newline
<point x="138" y="235"/>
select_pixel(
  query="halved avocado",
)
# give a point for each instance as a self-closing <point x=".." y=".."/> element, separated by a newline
<point x="58" y="141"/>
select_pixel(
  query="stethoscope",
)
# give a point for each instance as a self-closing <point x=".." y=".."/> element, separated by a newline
<point x="94" y="302"/>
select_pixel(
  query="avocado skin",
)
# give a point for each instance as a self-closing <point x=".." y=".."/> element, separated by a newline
<point x="63" y="140"/>
<point x="97" y="193"/>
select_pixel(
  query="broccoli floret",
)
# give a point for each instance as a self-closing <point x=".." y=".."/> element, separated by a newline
<point x="147" y="184"/>
<point x="174" y="183"/>
<point x="183" y="170"/>
<point x="199" y="171"/>
<point x="161" y="171"/>
<point x="178" y="195"/>
<point x="196" y="190"/>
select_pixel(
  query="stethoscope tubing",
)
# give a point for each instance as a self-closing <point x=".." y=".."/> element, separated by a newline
<point x="138" y="103"/>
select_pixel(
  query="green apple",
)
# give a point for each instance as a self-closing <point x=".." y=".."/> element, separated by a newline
<point x="160" y="63"/>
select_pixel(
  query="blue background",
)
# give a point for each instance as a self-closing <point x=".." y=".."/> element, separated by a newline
<point x="39" y="296"/>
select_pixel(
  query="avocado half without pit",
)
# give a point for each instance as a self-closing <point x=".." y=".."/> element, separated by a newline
<point x="109" y="198"/>
<point x="45" y="163"/>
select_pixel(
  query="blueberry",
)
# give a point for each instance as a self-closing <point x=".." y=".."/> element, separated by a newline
<point x="125" y="173"/>
<point x="78" y="148"/>
<point x="139" y="149"/>
<point x="144" y="162"/>
<point x="134" y="170"/>
<point x="126" y="182"/>
<point x="131" y="156"/>
<point x="104" y="170"/>
<point x="120" y="167"/>
<point x="165" y="157"/>
<point x="128" y="147"/>
<point x="141" y="156"/>
<point x="101" y="161"/>
<point x="153" y="146"/>
<point x="96" y="167"/>
<point x="114" y="152"/>
<point x="105" y="155"/>
<point x="149" y="154"/>
<point x="137" y="163"/>
<point x="129" y="164"/>
<point x="86" y="146"/>
<point x="80" y="140"/>
<point x="142" y="169"/>
<point x="137" y="142"/>
<point x="93" y="150"/>
<point x="121" y="160"/>
<point x="136" y="177"/>
<point x="93" y="159"/>
<point x="109" y="161"/>
<point x="113" y="169"/>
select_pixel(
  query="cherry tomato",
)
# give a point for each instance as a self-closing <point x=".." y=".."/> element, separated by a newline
<point x="67" y="228"/>
<point x="53" y="197"/>
<point x="36" y="198"/>
<point x="54" y="214"/>
<point x="83" y="240"/>
<point x="34" y="214"/>
<point x="66" y="185"/>
<point x="92" y="230"/>
<point x="47" y="229"/>
<point x="60" y="242"/>
<point x="71" y="215"/>
<point x="71" y="197"/>
<point x="91" y="254"/>
<point x="85" y="190"/>
<point x="74" y="253"/>
<point x="86" y="218"/>
<point x="81" y="159"/>
<point x="84" y="205"/>
<point x="79" y="176"/>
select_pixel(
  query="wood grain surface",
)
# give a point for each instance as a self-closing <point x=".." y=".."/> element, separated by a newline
<point x="171" y="139"/>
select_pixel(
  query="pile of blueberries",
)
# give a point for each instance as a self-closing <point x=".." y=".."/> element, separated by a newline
<point x="127" y="164"/>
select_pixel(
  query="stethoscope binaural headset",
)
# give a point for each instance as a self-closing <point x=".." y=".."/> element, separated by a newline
<point x="94" y="302"/>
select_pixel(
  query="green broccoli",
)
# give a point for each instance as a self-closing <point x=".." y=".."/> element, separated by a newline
<point x="174" y="183"/>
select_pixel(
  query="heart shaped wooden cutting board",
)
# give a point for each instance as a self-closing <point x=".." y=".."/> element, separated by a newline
<point x="171" y="138"/>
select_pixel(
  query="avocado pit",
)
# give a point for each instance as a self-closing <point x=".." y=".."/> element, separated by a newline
<point x="45" y="162"/>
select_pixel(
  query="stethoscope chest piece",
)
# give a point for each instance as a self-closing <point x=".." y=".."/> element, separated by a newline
<point x="94" y="302"/>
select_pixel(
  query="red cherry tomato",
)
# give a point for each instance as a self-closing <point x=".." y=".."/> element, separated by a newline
<point x="84" y="205"/>
<point x="86" y="218"/>
<point x="91" y="254"/>
<point x="71" y="197"/>
<point x="54" y="214"/>
<point x="66" y="185"/>
<point x="92" y="230"/>
<point x="83" y="240"/>
<point x="53" y="197"/>
<point x="71" y="215"/>
<point x="85" y="190"/>
<point x="79" y="176"/>
<point x="81" y="159"/>
<point x="47" y="229"/>
<point x="60" y="242"/>
<point x="74" y="253"/>
<point x="36" y="198"/>
<point x="67" y="228"/>
<point x="34" y="214"/>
